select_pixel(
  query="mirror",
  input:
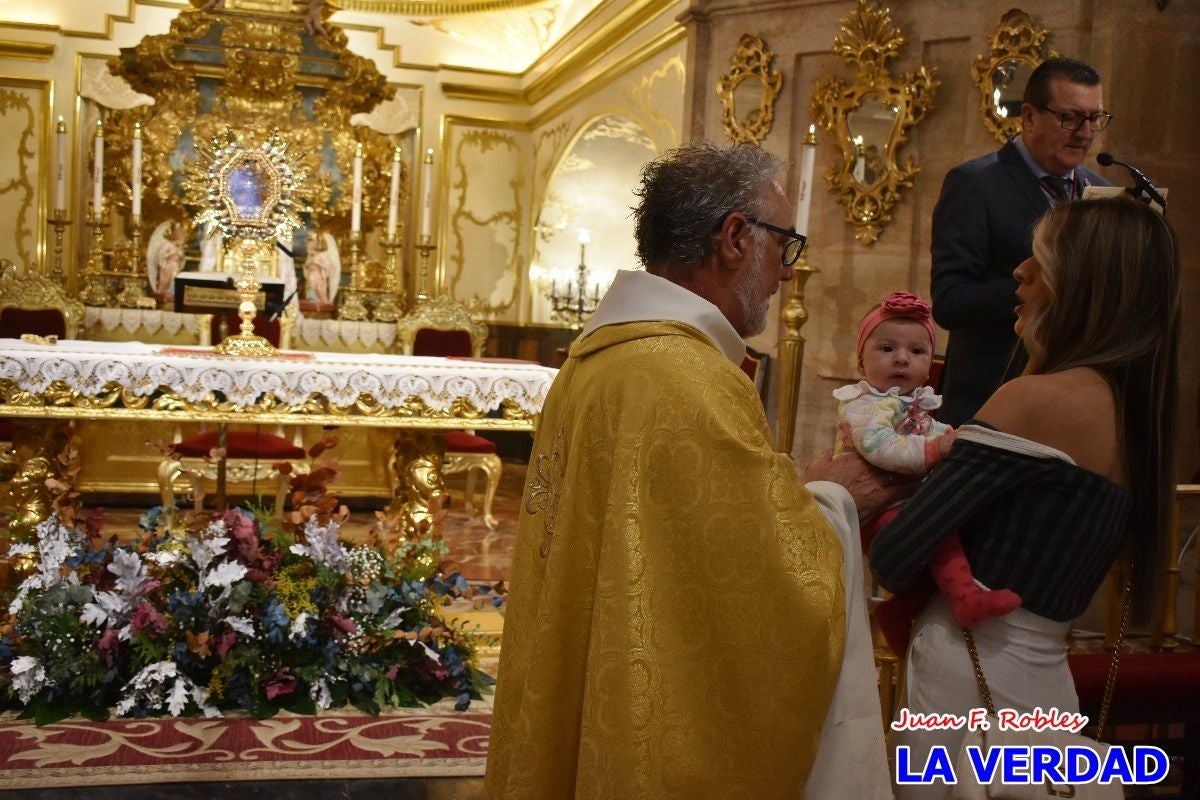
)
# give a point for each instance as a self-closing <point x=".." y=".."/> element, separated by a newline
<point x="748" y="91"/>
<point x="1015" y="51"/>
<point x="870" y="119"/>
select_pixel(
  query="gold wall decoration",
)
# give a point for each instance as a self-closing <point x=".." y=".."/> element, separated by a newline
<point x="651" y="95"/>
<point x="870" y="118"/>
<point x="1015" y="50"/>
<point x="25" y="119"/>
<point x="748" y="91"/>
<point x="487" y="199"/>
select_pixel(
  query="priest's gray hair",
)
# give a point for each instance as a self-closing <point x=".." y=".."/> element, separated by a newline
<point x="688" y="192"/>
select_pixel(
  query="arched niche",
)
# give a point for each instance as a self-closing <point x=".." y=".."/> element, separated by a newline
<point x="591" y="190"/>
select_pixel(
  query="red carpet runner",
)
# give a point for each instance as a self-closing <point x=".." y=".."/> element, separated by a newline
<point x="430" y="742"/>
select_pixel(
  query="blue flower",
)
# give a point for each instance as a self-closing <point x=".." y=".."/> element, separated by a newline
<point x="276" y="621"/>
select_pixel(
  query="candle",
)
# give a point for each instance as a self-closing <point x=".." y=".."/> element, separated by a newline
<point x="427" y="196"/>
<point x="135" y="180"/>
<point x="394" y="196"/>
<point x="356" y="192"/>
<point x="860" y="162"/>
<point x="60" y="166"/>
<point x="808" y="154"/>
<point x="98" y="170"/>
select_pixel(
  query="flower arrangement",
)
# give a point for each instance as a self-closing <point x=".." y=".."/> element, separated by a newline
<point x="231" y="611"/>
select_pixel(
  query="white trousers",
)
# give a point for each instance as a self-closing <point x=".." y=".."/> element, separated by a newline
<point x="1024" y="658"/>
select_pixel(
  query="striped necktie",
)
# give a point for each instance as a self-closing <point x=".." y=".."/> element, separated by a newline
<point x="1059" y="188"/>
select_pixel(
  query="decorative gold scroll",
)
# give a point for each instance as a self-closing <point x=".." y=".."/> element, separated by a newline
<point x="751" y="71"/>
<point x="1016" y="49"/>
<point x="867" y="182"/>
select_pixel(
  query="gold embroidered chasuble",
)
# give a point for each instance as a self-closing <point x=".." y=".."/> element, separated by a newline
<point x="675" y="627"/>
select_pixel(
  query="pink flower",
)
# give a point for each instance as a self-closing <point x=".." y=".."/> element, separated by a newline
<point x="225" y="643"/>
<point x="392" y="672"/>
<point x="905" y="304"/>
<point x="108" y="644"/>
<point x="280" y="684"/>
<point x="150" y="619"/>
<point x="344" y="623"/>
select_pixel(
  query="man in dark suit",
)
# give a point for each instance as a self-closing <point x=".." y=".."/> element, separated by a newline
<point x="983" y="226"/>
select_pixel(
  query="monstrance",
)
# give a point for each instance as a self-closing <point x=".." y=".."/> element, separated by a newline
<point x="248" y="194"/>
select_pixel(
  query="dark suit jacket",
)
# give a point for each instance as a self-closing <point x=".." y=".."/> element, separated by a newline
<point x="982" y="229"/>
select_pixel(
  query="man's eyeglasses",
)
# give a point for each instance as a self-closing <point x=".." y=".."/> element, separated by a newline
<point x="1073" y="122"/>
<point x="795" y="241"/>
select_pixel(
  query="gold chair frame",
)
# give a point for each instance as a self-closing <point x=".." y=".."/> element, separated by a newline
<point x="238" y="471"/>
<point x="444" y="314"/>
<point x="35" y="292"/>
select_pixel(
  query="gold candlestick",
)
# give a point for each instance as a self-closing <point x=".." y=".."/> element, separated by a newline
<point x="387" y="309"/>
<point x="131" y="293"/>
<point x="59" y="220"/>
<point x="426" y="248"/>
<point x="791" y="353"/>
<point x="247" y="343"/>
<point x="95" y="289"/>
<point x="350" y="301"/>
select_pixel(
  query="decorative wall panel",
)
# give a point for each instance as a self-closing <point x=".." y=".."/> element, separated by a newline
<point x="24" y="169"/>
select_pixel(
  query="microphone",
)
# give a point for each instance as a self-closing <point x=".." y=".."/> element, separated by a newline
<point x="1142" y="183"/>
<point x="279" y="309"/>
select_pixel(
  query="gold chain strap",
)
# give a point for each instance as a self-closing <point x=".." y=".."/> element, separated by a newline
<point x="1109" y="685"/>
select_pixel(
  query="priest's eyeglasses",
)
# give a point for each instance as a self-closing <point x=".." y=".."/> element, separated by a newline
<point x="795" y="241"/>
<point x="1073" y="122"/>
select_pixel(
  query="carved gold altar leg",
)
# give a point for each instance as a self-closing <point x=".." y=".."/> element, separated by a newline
<point x="36" y="448"/>
<point x="419" y="491"/>
<point x="791" y="354"/>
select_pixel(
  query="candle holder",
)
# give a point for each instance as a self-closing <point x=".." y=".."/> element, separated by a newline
<point x="426" y="247"/>
<point x="351" y="305"/>
<point x="131" y="292"/>
<point x="791" y="352"/>
<point x="247" y="343"/>
<point x="387" y="309"/>
<point x="59" y="220"/>
<point x="575" y="303"/>
<point x="95" y="280"/>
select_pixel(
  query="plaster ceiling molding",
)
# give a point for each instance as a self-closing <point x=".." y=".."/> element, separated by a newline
<point x="100" y="86"/>
<point x="619" y="128"/>
<point x="499" y="35"/>
<point x="399" y="115"/>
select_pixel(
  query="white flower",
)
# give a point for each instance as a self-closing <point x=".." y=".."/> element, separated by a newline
<point x="150" y="688"/>
<point x="130" y="572"/>
<point x="300" y="625"/>
<point x="320" y="694"/>
<point x="242" y="625"/>
<point x="163" y="558"/>
<point x="28" y="677"/>
<point x="323" y="546"/>
<point x="19" y="549"/>
<point x="224" y="574"/>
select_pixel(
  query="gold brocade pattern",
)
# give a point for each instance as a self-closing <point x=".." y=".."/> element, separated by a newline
<point x="684" y="636"/>
<point x="545" y="488"/>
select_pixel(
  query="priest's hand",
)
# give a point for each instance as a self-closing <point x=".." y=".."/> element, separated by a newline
<point x="872" y="489"/>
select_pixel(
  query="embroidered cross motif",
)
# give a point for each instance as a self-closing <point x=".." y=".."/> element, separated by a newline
<point x="545" y="488"/>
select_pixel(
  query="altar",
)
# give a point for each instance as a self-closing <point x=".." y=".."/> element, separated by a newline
<point x="133" y="382"/>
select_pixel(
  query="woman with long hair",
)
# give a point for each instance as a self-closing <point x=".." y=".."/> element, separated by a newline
<point x="1062" y="471"/>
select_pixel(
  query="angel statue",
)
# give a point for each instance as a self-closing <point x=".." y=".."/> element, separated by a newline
<point x="164" y="258"/>
<point x="323" y="270"/>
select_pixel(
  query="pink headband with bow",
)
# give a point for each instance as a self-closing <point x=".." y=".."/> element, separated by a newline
<point x="897" y="305"/>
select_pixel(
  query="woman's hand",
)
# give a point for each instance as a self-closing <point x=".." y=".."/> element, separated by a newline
<point x="872" y="489"/>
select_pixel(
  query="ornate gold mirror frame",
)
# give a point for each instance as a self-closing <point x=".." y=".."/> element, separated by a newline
<point x="1016" y="49"/>
<point x="750" y="70"/>
<point x="870" y="119"/>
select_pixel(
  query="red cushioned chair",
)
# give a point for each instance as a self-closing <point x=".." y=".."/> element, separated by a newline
<point x="250" y="455"/>
<point x="441" y="327"/>
<point x="33" y="304"/>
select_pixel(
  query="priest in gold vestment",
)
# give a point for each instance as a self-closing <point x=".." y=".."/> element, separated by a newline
<point x="678" y="619"/>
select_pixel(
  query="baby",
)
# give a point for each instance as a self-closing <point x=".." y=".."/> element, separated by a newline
<point x="886" y="419"/>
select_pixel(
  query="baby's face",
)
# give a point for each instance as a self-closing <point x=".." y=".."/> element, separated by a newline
<point x="897" y="353"/>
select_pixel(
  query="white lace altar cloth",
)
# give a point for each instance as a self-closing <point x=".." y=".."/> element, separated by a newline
<point x="341" y="378"/>
<point x="330" y="334"/>
<point x="137" y="320"/>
